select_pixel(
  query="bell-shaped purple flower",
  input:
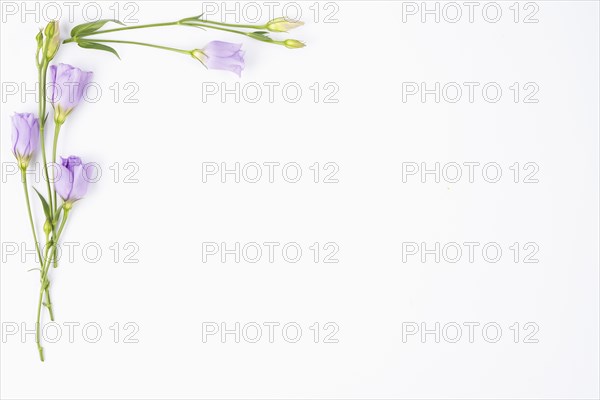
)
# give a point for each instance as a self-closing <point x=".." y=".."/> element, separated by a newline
<point x="72" y="182"/>
<point x="68" y="86"/>
<point x="25" y="137"/>
<point x="221" y="55"/>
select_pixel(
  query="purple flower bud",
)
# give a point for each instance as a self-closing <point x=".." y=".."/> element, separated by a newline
<point x="25" y="137"/>
<point x="68" y="86"/>
<point x="72" y="182"/>
<point x="221" y="55"/>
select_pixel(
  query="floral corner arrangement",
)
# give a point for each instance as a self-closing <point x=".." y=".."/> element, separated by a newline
<point x="65" y="179"/>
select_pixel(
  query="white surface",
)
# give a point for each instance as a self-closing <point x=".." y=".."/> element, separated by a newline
<point x="369" y="133"/>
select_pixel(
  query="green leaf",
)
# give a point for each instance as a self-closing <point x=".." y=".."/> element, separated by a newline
<point x="259" y="36"/>
<point x="194" y="18"/>
<point x="86" y="44"/>
<point x="44" y="204"/>
<point x="91" y="27"/>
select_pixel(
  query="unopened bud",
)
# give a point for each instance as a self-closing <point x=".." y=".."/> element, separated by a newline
<point x="293" y="44"/>
<point x="52" y="33"/>
<point x="282" y="24"/>
<point x="47" y="227"/>
<point x="39" y="38"/>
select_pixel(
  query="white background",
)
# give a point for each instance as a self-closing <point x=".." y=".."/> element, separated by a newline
<point x="369" y="133"/>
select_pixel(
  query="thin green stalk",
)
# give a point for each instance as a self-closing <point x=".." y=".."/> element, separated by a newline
<point x="143" y="44"/>
<point x="126" y="28"/>
<point x="184" y="22"/>
<point x="62" y="224"/>
<point x="26" y="190"/>
<point x="45" y="282"/>
<point x="39" y="308"/>
<point x="202" y="25"/>
<point x="35" y="239"/>
<point x="57" y="126"/>
<point x="206" y="21"/>
<point x="42" y="74"/>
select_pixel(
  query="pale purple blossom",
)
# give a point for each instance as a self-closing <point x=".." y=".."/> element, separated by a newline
<point x="72" y="181"/>
<point x="221" y="55"/>
<point x="68" y="84"/>
<point x="25" y="137"/>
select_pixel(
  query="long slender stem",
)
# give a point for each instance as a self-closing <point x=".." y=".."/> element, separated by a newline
<point x="203" y="25"/>
<point x="185" y="22"/>
<point x="42" y="73"/>
<point x="39" y="307"/>
<point x="37" y="245"/>
<point x="62" y="224"/>
<point x="143" y="44"/>
<point x="127" y="28"/>
<point x="45" y="281"/>
<point x="26" y="190"/>
<point x="57" y="126"/>
<point x="206" y="21"/>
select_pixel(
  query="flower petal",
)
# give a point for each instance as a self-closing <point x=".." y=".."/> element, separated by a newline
<point x="217" y="48"/>
<point x="64" y="182"/>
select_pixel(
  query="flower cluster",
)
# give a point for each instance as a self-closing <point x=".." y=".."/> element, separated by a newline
<point x="67" y="85"/>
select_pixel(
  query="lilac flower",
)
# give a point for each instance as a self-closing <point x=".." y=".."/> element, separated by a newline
<point x="221" y="55"/>
<point x="25" y="137"/>
<point x="72" y="182"/>
<point x="68" y="86"/>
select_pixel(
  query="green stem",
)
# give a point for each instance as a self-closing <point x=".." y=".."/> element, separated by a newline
<point x="45" y="282"/>
<point x="39" y="307"/>
<point x="137" y="44"/>
<point x="26" y="190"/>
<point x="42" y="73"/>
<point x="126" y="28"/>
<point x="251" y="35"/>
<point x="57" y="126"/>
<point x="62" y="224"/>
<point x="185" y="22"/>
<point x="37" y="245"/>
<point x="206" y="21"/>
<point x="203" y="25"/>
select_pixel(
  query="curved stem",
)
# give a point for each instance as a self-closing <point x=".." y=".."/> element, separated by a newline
<point x="45" y="282"/>
<point x="127" y="28"/>
<point x="62" y="224"/>
<point x="57" y="237"/>
<point x="184" y="21"/>
<point x="203" y="25"/>
<point x="39" y="307"/>
<point x="192" y="22"/>
<point x="37" y="244"/>
<point x="57" y="126"/>
<point x="26" y="190"/>
<point x="42" y="74"/>
<point x="156" y="46"/>
<point x="206" y="21"/>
